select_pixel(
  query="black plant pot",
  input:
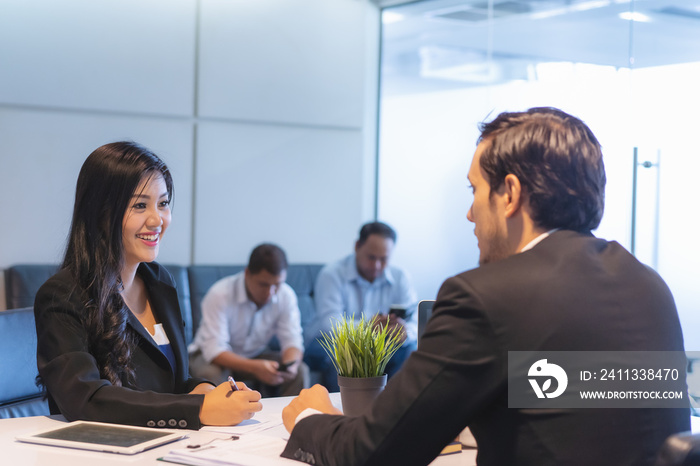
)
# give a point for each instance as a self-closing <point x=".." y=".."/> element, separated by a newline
<point x="358" y="393"/>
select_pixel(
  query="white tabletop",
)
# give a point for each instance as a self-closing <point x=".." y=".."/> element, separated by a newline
<point x="25" y="454"/>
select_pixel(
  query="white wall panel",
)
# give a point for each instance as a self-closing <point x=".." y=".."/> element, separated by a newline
<point x="40" y="156"/>
<point x="293" y="61"/>
<point x="116" y="55"/>
<point x="299" y="187"/>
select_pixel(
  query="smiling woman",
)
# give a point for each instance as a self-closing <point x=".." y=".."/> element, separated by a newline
<point x="110" y="339"/>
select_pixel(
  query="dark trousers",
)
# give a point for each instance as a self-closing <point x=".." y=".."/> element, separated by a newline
<point x="317" y="360"/>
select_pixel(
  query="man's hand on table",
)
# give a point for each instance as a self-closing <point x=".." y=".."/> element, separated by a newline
<point x="315" y="397"/>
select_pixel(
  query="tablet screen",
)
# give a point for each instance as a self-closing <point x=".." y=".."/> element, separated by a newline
<point x="104" y="435"/>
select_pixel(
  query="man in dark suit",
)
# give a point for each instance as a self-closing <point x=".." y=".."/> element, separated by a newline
<point x="545" y="283"/>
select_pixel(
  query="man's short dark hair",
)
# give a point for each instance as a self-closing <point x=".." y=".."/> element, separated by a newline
<point x="268" y="257"/>
<point x="376" y="228"/>
<point x="558" y="161"/>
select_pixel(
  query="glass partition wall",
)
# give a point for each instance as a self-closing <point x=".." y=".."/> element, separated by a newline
<point x="629" y="69"/>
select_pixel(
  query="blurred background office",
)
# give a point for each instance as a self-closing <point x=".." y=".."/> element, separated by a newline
<point x="322" y="114"/>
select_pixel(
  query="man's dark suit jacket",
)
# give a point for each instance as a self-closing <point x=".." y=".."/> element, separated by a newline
<point x="571" y="292"/>
<point x="71" y="375"/>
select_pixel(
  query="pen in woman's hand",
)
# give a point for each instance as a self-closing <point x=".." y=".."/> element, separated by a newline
<point x="232" y="382"/>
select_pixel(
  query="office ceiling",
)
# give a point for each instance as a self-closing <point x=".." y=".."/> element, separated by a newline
<point x="437" y="44"/>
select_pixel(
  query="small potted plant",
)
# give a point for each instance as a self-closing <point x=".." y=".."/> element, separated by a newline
<point x="360" y="351"/>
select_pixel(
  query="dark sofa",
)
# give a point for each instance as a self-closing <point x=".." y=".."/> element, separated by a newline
<point x="19" y="396"/>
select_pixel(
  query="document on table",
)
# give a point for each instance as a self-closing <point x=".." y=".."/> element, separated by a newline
<point x="248" y="450"/>
<point x="260" y="424"/>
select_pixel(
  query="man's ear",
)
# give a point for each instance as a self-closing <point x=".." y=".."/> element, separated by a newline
<point x="513" y="194"/>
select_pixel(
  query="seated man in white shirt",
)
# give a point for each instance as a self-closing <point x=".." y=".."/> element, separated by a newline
<point x="240" y="314"/>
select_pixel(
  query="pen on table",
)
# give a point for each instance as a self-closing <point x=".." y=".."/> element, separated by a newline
<point x="232" y="382"/>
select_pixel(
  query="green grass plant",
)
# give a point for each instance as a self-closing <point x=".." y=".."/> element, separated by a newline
<point x="358" y="349"/>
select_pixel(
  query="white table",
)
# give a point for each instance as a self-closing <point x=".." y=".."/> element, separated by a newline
<point x="25" y="454"/>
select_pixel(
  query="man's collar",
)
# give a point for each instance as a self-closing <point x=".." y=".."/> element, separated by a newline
<point x="536" y="241"/>
<point x="351" y="273"/>
<point x="240" y="294"/>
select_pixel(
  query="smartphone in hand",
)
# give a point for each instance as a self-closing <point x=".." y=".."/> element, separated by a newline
<point x="397" y="311"/>
<point x="284" y="366"/>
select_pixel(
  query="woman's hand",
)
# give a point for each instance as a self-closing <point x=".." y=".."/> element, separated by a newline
<point x="225" y="407"/>
<point x="202" y="389"/>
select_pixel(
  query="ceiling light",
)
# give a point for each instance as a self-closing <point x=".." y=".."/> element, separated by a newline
<point x="389" y="17"/>
<point x="634" y="16"/>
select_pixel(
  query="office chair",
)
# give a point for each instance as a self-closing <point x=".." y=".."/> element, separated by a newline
<point x="425" y="309"/>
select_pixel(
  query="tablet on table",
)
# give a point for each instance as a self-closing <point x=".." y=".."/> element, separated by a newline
<point x="99" y="436"/>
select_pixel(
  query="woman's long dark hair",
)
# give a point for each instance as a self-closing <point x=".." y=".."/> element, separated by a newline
<point x="95" y="252"/>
